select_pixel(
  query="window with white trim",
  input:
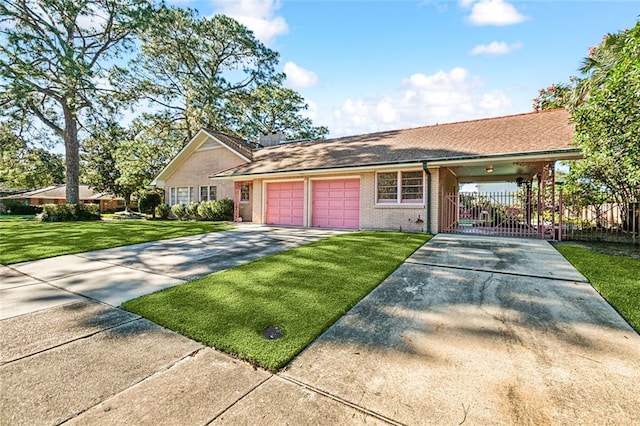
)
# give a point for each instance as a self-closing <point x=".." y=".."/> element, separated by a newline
<point x="208" y="193"/>
<point x="181" y="195"/>
<point x="402" y="187"/>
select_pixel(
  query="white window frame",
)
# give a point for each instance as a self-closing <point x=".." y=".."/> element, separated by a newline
<point x="174" y="191"/>
<point x="248" y="186"/>
<point x="398" y="201"/>
<point x="212" y="193"/>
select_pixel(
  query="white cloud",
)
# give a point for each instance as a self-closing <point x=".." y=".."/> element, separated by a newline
<point x="495" y="100"/>
<point x="257" y="15"/>
<point x="493" y="12"/>
<point x="298" y="77"/>
<point x="495" y="48"/>
<point x="312" y="111"/>
<point x="421" y="100"/>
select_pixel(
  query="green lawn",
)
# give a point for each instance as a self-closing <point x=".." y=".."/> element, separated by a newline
<point x="30" y="240"/>
<point x="616" y="277"/>
<point x="303" y="290"/>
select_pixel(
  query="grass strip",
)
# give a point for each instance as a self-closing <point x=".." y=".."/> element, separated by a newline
<point x="616" y="277"/>
<point x="26" y="240"/>
<point x="303" y="291"/>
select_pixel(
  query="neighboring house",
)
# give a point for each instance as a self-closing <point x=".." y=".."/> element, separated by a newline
<point x="388" y="180"/>
<point x="56" y="194"/>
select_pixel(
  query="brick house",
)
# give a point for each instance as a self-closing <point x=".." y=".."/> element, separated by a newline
<point x="387" y="180"/>
<point x="56" y="194"/>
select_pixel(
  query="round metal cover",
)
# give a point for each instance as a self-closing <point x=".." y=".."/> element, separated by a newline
<point x="272" y="332"/>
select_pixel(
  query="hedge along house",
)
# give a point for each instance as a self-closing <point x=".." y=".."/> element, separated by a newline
<point x="403" y="179"/>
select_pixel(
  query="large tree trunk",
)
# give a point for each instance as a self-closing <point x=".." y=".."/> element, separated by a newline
<point x="72" y="156"/>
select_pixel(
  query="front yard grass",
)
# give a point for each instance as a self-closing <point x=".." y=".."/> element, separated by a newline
<point x="303" y="291"/>
<point x="28" y="240"/>
<point x="615" y="276"/>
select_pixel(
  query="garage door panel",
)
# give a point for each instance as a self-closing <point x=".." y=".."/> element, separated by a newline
<point x="336" y="203"/>
<point x="285" y="203"/>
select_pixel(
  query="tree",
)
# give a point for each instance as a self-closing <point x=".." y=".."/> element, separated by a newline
<point x="52" y="54"/>
<point x="607" y="115"/>
<point x="148" y="200"/>
<point x="22" y="166"/>
<point x="213" y="73"/>
<point x="272" y="108"/>
<point x="100" y="168"/>
<point x="558" y="95"/>
<point x="605" y="106"/>
<point x="189" y="66"/>
<point x="122" y="161"/>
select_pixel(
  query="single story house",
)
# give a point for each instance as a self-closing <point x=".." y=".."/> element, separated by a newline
<point x="388" y="180"/>
<point x="56" y="194"/>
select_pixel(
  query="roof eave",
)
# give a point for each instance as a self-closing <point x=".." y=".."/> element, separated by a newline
<point x="548" y="155"/>
<point x="187" y="150"/>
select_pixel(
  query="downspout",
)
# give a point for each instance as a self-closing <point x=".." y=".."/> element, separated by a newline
<point x="427" y="212"/>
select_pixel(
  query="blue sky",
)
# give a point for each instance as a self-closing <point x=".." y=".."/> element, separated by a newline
<point x="368" y="66"/>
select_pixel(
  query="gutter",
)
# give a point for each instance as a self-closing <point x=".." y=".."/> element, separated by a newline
<point x="442" y="162"/>
<point x="427" y="212"/>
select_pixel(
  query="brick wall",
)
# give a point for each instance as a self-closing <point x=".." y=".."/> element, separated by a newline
<point x="195" y="172"/>
<point x="391" y="217"/>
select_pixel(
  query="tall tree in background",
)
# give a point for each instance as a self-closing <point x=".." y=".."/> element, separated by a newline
<point x="98" y="156"/>
<point x="214" y="73"/>
<point x="272" y="108"/>
<point x="121" y="161"/>
<point x="52" y="54"/>
<point x="605" y="106"/>
<point x="189" y="66"/>
<point x="23" y="167"/>
<point x="606" y="111"/>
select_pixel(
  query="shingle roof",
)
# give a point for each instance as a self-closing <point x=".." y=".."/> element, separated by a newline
<point x="523" y="133"/>
<point x="234" y="142"/>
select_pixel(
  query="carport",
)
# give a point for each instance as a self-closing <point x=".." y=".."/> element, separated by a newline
<point x="531" y="211"/>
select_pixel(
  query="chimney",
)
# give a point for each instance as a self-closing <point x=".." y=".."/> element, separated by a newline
<point x="272" y="139"/>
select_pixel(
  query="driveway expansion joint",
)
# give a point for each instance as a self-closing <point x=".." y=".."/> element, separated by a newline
<point x="493" y="271"/>
<point x="240" y="399"/>
<point x="144" y="379"/>
<point x="341" y="401"/>
<point x="86" y="336"/>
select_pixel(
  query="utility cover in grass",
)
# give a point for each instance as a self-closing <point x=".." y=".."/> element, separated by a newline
<point x="303" y="290"/>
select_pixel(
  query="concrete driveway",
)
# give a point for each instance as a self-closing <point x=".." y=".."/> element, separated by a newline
<point x="116" y="275"/>
<point x="481" y="330"/>
<point x="469" y="330"/>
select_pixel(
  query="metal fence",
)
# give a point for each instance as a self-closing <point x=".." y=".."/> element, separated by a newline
<point x="524" y="213"/>
<point x="606" y="221"/>
<point x="510" y="214"/>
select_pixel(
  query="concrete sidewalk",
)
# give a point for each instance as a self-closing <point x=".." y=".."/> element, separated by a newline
<point x="116" y="275"/>
<point x="469" y="330"/>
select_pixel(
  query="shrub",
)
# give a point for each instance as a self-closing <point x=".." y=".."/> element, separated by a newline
<point x="226" y="209"/>
<point x="69" y="212"/>
<point x="192" y="210"/>
<point x="18" y="207"/>
<point x="179" y="211"/>
<point x="216" y="210"/>
<point x="148" y="201"/>
<point x="163" y="211"/>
